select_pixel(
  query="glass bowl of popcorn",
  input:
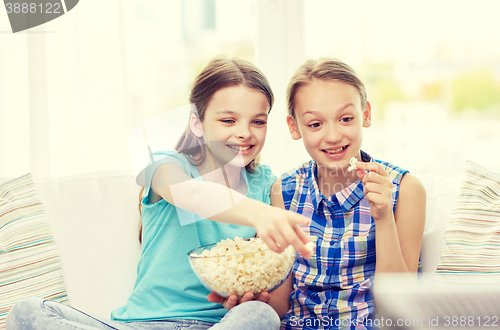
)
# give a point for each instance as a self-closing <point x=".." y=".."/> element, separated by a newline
<point x="239" y="265"/>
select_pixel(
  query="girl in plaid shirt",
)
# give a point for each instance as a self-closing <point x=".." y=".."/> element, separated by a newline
<point x="365" y="222"/>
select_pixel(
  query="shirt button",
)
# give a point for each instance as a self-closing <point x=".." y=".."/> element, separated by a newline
<point x="331" y="243"/>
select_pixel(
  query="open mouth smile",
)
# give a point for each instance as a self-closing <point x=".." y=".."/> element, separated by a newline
<point x="335" y="151"/>
<point x="240" y="148"/>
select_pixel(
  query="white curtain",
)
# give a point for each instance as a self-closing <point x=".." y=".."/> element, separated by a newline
<point x="72" y="90"/>
<point x="63" y="94"/>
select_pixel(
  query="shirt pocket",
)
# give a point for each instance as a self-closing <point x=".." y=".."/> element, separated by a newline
<point x="306" y="271"/>
<point x="358" y="260"/>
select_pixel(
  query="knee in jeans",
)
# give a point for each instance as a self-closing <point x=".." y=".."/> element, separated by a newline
<point x="262" y="314"/>
<point x="26" y="305"/>
<point x="23" y="308"/>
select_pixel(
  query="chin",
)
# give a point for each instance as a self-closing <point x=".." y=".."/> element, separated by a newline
<point x="332" y="166"/>
<point x="240" y="161"/>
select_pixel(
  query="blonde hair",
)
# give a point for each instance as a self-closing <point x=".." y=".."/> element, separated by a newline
<point x="219" y="73"/>
<point x="322" y="69"/>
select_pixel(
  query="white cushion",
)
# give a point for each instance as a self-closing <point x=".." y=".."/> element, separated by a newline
<point x="441" y="195"/>
<point x="94" y="220"/>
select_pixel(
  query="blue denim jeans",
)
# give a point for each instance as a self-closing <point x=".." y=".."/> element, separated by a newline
<point x="33" y="314"/>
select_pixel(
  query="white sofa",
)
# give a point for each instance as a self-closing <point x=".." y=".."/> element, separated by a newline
<point x="94" y="219"/>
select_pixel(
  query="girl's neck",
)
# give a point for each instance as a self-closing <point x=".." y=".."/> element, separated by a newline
<point x="331" y="181"/>
<point x="226" y="175"/>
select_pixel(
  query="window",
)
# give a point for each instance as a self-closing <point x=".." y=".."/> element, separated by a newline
<point x="432" y="72"/>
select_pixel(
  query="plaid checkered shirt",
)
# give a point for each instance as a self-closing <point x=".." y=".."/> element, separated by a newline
<point x="332" y="289"/>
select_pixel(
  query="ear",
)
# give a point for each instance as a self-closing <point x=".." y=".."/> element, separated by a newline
<point x="292" y="126"/>
<point x="195" y="125"/>
<point x="367" y="115"/>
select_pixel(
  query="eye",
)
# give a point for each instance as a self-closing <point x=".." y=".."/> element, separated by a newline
<point x="346" y="119"/>
<point x="259" y="122"/>
<point x="227" y="121"/>
<point x="314" y="125"/>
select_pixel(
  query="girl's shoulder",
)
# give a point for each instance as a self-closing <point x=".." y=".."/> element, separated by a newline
<point x="262" y="172"/>
<point x="395" y="172"/>
<point x="169" y="156"/>
<point x="158" y="158"/>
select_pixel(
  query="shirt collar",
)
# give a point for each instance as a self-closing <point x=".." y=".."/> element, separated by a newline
<point x="346" y="198"/>
<point x="350" y="196"/>
<point x="314" y="192"/>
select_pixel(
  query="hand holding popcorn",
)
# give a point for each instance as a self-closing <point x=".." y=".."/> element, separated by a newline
<point x="378" y="189"/>
<point x="233" y="300"/>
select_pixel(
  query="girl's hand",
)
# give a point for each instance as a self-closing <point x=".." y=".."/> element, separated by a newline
<point x="279" y="228"/>
<point x="232" y="300"/>
<point x="378" y="189"/>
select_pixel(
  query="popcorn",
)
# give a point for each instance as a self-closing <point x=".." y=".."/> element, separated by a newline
<point x="352" y="163"/>
<point x="241" y="265"/>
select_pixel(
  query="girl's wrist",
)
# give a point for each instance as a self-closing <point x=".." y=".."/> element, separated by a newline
<point x="248" y="212"/>
<point x="387" y="221"/>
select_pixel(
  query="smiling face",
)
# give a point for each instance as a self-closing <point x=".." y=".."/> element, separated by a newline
<point x="235" y="124"/>
<point x="329" y="118"/>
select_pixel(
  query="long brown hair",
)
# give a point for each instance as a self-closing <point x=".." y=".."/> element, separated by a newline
<point x="220" y="72"/>
<point x="323" y="69"/>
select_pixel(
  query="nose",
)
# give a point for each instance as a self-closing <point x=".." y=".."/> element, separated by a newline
<point x="333" y="134"/>
<point x="243" y="131"/>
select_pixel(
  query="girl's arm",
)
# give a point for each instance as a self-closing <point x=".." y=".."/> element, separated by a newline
<point x="278" y="228"/>
<point x="398" y="234"/>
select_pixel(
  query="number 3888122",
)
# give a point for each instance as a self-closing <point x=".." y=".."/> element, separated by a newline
<point x="34" y="8"/>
